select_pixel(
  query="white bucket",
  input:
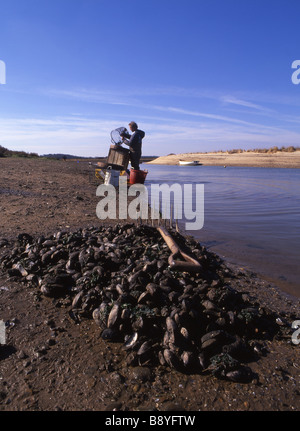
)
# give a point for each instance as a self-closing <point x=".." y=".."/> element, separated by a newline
<point x="112" y="177"/>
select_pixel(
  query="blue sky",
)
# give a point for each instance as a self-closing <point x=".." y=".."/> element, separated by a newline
<point x="196" y="75"/>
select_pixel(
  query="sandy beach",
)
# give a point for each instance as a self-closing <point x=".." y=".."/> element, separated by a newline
<point x="52" y="363"/>
<point x="251" y="159"/>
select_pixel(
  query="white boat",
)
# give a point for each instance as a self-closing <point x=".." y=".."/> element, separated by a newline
<point x="189" y="163"/>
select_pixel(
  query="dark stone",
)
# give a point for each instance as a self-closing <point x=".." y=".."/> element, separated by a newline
<point x="110" y="334"/>
<point x="141" y="374"/>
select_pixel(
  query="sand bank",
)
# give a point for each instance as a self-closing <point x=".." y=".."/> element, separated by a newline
<point x="263" y="160"/>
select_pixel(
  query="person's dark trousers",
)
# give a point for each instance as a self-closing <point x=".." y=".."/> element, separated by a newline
<point x="134" y="158"/>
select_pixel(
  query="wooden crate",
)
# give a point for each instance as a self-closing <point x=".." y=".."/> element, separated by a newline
<point x="118" y="156"/>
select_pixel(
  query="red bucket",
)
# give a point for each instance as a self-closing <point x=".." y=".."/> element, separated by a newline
<point x="137" y="176"/>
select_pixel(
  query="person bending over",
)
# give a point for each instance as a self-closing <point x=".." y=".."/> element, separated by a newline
<point x="134" y="142"/>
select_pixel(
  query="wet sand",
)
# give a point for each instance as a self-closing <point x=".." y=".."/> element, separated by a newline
<point x="83" y="372"/>
<point x="251" y="159"/>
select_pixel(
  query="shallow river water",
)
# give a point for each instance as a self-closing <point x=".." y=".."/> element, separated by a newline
<point x="251" y="216"/>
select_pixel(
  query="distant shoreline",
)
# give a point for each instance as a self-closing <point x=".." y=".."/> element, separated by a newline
<point x="246" y="159"/>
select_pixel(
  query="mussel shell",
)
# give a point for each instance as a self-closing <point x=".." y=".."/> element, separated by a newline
<point x="202" y="361"/>
<point x="210" y="344"/>
<point x="20" y="269"/>
<point x="209" y="305"/>
<point x="54" y="290"/>
<point x="32" y="278"/>
<point x="171" y="325"/>
<point x="144" y="297"/>
<point x="125" y="315"/>
<point x="152" y="288"/>
<point x="171" y="359"/>
<point x="161" y="358"/>
<point x="185" y="333"/>
<point x="100" y="315"/>
<point x="145" y="347"/>
<point x="46" y="257"/>
<point x="114" y="316"/>
<point x="188" y="359"/>
<point x="138" y="324"/>
<point x="238" y="350"/>
<point x="242" y="374"/>
<point x="212" y="335"/>
<point x="131" y="341"/>
<point x="77" y="300"/>
<point x="166" y="339"/>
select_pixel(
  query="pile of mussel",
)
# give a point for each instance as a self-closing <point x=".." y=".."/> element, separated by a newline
<point x="119" y="276"/>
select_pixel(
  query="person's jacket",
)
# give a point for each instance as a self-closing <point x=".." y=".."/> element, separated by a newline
<point x="135" y="140"/>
